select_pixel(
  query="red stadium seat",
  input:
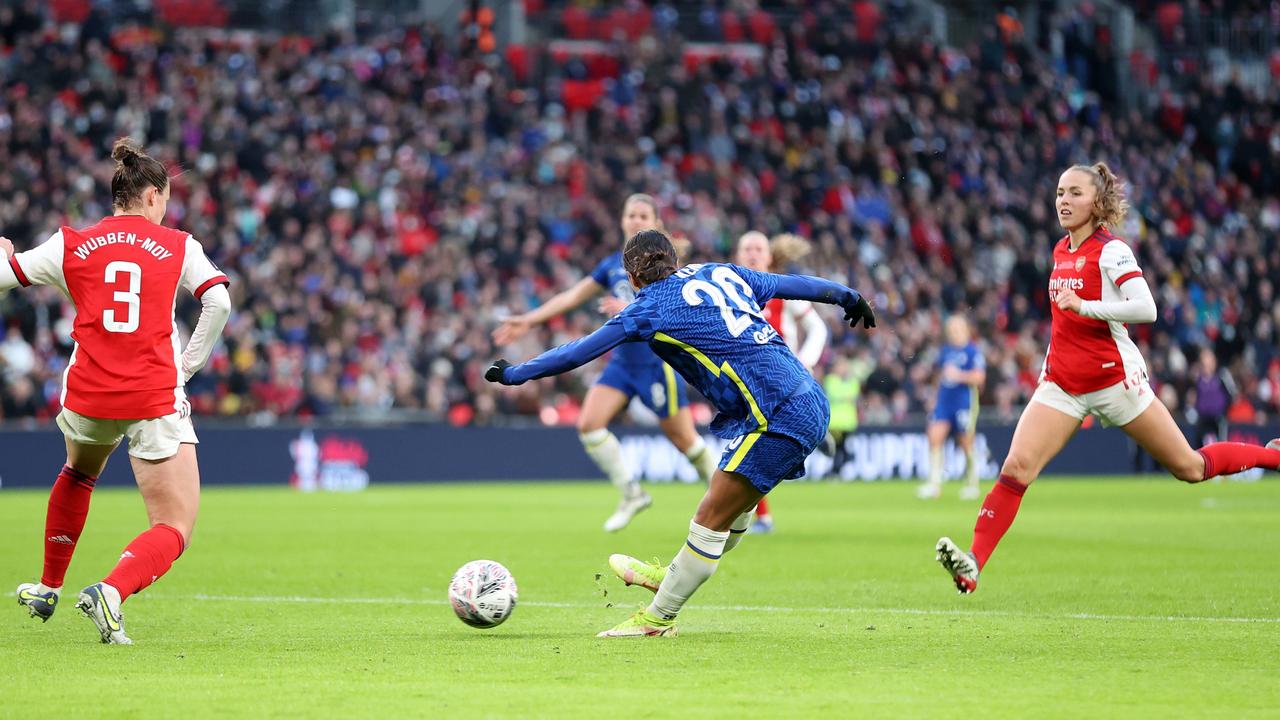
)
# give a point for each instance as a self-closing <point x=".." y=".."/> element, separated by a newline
<point x="577" y="23"/>
<point x="69" y="11"/>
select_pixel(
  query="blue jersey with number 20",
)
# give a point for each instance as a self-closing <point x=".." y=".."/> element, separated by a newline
<point x="705" y="322"/>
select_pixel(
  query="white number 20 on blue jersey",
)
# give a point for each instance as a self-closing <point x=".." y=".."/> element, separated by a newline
<point x="728" y="287"/>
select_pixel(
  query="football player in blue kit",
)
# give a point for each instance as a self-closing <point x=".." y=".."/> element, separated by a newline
<point x="706" y="322"/>
<point x="963" y="370"/>
<point x="633" y="371"/>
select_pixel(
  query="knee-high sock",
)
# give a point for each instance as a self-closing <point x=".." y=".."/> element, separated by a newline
<point x="738" y="530"/>
<point x="935" y="466"/>
<point x="762" y="508"/>
<point x="704" y="461"/>
<point x="64" y="521"/>
<point x="145" y="560"/>
<point x="1227" y="458"/>
<point x="995" y="517"/>
<point x="971" y="468"/>
<point x="606" y="451"/>
<point x="693" y="565"/>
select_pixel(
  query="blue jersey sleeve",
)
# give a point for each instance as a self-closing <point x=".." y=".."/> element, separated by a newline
<point x="568" y="356"/>
<point x="763" y="285"/>
<point x="601" y="273"/>
<point x="805" y="287"/>
<point x="976" y="359"/>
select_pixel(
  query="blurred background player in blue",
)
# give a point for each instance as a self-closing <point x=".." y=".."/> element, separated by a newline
<point x="633" y="371"/>
<point x="706" y="322"/>
<point x="962" y="372"/>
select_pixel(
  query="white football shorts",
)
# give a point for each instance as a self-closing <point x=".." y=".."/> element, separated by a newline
<point x="153" y="439"/>
<point x="1117" y="405"/>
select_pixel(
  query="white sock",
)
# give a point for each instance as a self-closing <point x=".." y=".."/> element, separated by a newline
<point x="935" y="466"/>
<point x="606" y="451"/>
<point x="970" y="470"/>
<point x="693" y="565"/>
<point x="738" y="530"/>
<point x="42" y="588"/>
<point x="704" y="461"/>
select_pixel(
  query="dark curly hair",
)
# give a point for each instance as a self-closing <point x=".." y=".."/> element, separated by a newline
<point x="649" y="256"/>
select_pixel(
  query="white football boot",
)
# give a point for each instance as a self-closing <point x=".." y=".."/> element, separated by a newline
<point x="962" y="566"/>
<point x="101" y="603"/>
<point x="630" y="506"/>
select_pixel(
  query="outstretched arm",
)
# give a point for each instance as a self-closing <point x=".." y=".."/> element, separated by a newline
<point x="562" y="302"/>
<point x="560" y="359"/>
<point x="805" y="287"/>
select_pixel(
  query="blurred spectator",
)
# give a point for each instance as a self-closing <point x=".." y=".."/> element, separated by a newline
<point x="1212" y="392"/>
<point x="381" y="199"/>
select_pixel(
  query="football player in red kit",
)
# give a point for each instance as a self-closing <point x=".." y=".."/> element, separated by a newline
<point x="125" y="378"/>
<point x="791" y="318"/>
<point x="1092" y="367"/>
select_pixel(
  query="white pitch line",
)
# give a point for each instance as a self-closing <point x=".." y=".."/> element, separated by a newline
<point x="737" y="608"/>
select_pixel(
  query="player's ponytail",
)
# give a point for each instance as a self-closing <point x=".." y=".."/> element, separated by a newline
<point x="649" y="256"/>
<point x="787" y="249"/>
<point x="1111" y="205"/>
<point x="135" y="172"/>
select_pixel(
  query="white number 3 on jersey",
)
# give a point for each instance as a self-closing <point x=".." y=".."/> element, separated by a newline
<point x="128" y="297"/>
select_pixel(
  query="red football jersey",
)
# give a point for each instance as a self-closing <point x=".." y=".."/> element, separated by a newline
<point x="1087" y="354"/>
<point x="773" y="311"/>
<point x="122" y="275"/>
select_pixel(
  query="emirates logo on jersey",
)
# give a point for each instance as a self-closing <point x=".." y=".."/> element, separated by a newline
<point x="1079" y="264"/>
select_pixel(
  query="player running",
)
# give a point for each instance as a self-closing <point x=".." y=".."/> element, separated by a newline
<point x="1092" y="367"/>
<point x="963" y="371"/>
<point x="632" y="371"/>
<point x="706" y="322"/>
<point x="125" y="378"/>
<point x="791" y="319"/>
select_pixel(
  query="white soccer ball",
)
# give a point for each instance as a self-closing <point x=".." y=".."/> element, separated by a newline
<point x="483" y="593"/>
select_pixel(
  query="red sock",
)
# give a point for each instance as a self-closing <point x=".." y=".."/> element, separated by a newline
<point x="762" y="509"/>
<point x="64" y="521"/>
<point x="1227" y="458"/>
<point x="149" y="556"/>
<point x="995" y="517"/>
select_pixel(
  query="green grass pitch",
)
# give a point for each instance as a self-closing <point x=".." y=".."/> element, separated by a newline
<point x="1109" y="598"/>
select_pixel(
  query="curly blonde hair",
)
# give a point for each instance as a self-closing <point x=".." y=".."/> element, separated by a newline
<point x="788" y="249"/>
<point x="1111" y="205"/>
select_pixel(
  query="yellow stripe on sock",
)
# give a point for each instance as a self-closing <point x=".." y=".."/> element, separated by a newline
<point x="688" y="550"/>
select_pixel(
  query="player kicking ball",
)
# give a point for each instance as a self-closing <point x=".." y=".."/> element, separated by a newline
<point x="705" y="322"/>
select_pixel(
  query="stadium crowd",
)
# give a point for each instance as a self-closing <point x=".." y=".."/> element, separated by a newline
<point x="382" y="199"/>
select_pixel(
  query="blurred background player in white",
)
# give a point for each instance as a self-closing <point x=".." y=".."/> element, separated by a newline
<point x="795" y="320"/>
<point x="633" y="371"/>
<point x="1092" y="367"/>
<point x="125" y="378"/>
<point x="963" y="370"/>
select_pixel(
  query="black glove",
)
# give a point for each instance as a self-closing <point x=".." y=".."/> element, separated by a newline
<point x="860" y="310"/>
<point x="495" y="371"/>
